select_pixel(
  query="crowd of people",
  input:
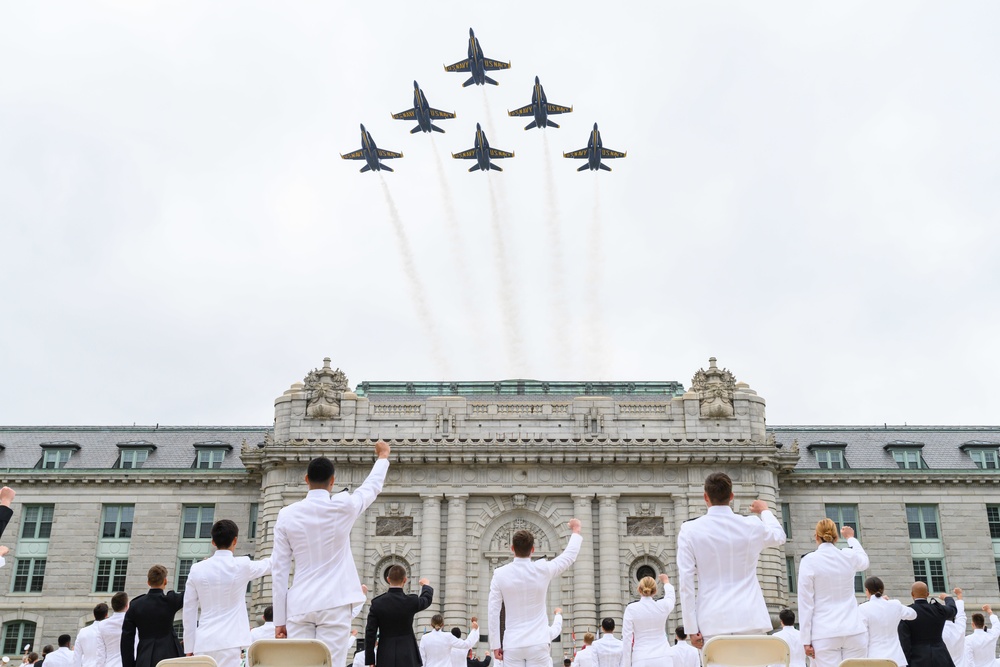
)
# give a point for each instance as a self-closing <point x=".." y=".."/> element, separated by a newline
<point x="719" y="593"/>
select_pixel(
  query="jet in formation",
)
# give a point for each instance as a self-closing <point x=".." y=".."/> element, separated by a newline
<point x="422" y="113"/>
<point x="594" y="153"/>
<point x="371" y="153"/>
<point x="482" y="153"/>
<point x="477" y="64"/>
<point x="539" y="108"/>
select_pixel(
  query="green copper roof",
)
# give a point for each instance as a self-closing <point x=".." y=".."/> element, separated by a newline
<point x="520" y="388"/>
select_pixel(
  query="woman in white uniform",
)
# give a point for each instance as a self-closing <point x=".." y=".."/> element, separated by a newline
<point x="644" y="626"/>
<point x="436" y="646"/>
<point x="881" y="617"/>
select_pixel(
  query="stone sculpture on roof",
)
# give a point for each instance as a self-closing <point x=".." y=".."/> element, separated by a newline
<point x="325" y="388"/>
<point x="715" y="388"/>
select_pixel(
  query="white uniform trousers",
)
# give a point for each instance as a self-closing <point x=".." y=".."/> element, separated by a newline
<point x="831" y="651"/>
<point x="330" y="626"/>
<point x="227" y="657"/>
<point x="528" y="656"/>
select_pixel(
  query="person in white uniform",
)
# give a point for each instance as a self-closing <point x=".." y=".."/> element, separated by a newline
<point x="644" y="633"/>
<point x="881" y="618"/>
<point x="521" y="588"/>
<point x="86" y="649"/>
<point x="953" y="632"/>
<point x="315" y="534"/>
<point x="265" y="631"/>
<point x="218" y="585"/>
<point x="717" y="565"/>
<point x="109" y="649"/>
<point x="62" y="656"/>
<point x="608" y="649"/>
<point x="791" y="636"/>
<point x="981" y="645"/>
<point x="585" y="656"/>
<point x="829" y="621"/>
<point x="682" y="653"/>
<point x="437" y="645"/>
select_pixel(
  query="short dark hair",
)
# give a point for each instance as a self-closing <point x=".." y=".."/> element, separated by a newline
<point x="567" y="662"/>
<point x="679" y="631"/>
<point x="48" y="648"/>
<point x="437" y="621"/>
<point x="978" y="620"/>
<point x="119" y="601"/>
<point x="268" y="613"/>
<point x="457" y="632"/>
<point x="320" y="470"/>
<point x="396" y="575"/>
<point x="787" y="617"/>
<point x="157" y="576"/>
<point x="65" y="639"/>
<point x="719" y="488"/>
<point x="100" y="611"/>
<point x="224" y="533"/>
<point x="874" y="586"/>
<point x="523" y="542"/>
<point x="608" y="624"/>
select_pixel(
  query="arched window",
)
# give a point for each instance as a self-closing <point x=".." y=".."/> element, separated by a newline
<point x="644" y="571"/>
<point x="16" y="634"/>
<point x="382" y="570"/>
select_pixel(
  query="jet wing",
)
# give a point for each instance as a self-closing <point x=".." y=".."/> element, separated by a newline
<point x="437" y="113"/>
<point x="608" y="153"/>
<point x="386" y="155"/>
<point x="353" y="155"/>
<point x="409" y="114"/>
<point x="460" y="66"/>
<point x="465" y="155"/>
<point x="489" y="64"/>
<point x="582" y="153"/>
<point x="555" y="108"/>
<point x="523" y="111"/>
<point x="497" y="153"/>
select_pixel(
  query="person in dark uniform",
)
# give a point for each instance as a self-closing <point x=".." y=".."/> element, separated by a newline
<point x="390" y="620"/>
<point x="152" y="615"/>
<point x="6" y="497"/>
<point x="921" y="639"/>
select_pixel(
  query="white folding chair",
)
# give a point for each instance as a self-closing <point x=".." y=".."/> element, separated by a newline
<point x="745" y="651"/>
<point x="868" y="662"/>
<point x="285" y="652"/>
<point x="189" y="661"/>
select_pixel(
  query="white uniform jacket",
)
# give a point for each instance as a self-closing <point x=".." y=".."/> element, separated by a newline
<point x="881" y="618"/>
<point x="315" y="533"/>
<point x="684" y="655"/>
<point x="720" y="550"/>
<point x="265" y="631"/>
<point x="981" y="645"/>
<point x="61" y="657"/>
<point x="585" y="657"/>
<point x="953" y="635"/>
<point x="644" y="634"/>
<point x="827" y="605"/>
<point x="522" y="588"/>
<point x="85" y="652"/>
<point x="796" y="651"/>
<point x="219" y="586"/>
<point x="436" y="647"/>
<point x="607" y="650"/>
<point x="109" y="649"/>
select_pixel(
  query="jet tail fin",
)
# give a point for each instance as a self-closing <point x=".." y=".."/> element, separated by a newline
<point x="436" y="128"/>
<point x="415" y="130"/>
<point x="474" y="167"/>
<point x="365" y="168"/>
<point x="531" y="125"/>
<point x="489" y="80"/>
<point x="495" y="167"/>
<point x="584" y="167"/>
<point x="549" y="123"/>
<point x="385" y="168"/>
<point x="468" y="83"/>
<point x="605" y="167"/>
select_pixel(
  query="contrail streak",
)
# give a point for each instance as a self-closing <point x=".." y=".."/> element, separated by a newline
<point x="491" y="131"/>
<point x="508" y="304"/>
<point x="557" y="295"/>
<point x="416" y="287"/>
<point x="597" y="351"/>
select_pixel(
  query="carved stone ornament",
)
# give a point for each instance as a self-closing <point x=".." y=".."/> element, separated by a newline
<point x="325" y="388"/>
<point x="715" y="388"/>
<point x="519" y="500"/>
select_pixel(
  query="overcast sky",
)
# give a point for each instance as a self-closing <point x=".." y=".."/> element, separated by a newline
<point x="810" y="195"/>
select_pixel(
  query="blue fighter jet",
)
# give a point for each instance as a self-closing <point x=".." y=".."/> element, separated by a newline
<point x="370" y="153"/>
<point x="422" y="113"/>
<point x="594" y="153"/>
<point x="539" y="108"/>
<point x="482" y="153"/>
<point x="477" y="64"/>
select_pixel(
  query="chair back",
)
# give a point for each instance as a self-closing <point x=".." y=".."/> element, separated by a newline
<point x="189" y="661"/>
<point x="868" y="662"/>
<point x="745" y="651"/>
<point x="288" y="652"/>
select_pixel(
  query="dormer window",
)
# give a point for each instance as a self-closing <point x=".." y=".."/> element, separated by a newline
<point x="984" y="454"/>
<point x="907" y="455"/>
<point x="210" y="455"/>
<point x="133" y="454"/>
<point x="57" y="454"/>
<point x="829" y="455"/>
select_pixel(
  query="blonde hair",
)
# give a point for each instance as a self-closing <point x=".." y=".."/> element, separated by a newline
<point x="588" y="638"/>
<point x="647" y="586"/>
<point x="826" y="531"/>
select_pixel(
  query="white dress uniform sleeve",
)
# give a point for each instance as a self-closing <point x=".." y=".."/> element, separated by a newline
<point x="494" y="602"/>
<point x="365" y="494"/>
<point x="190" y="615"/>
<point x="466" y="643"/>
<point x="856" y="555"/>
<point x="807" y="599"/>
<point x="687" y="570"/>
<point x="562" y="562"/>
<point x="556" y="628"/>
<point x="774" y="534"/>
<point x="281" y="555"/>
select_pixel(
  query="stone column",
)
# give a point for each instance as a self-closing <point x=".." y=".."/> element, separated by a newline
<point x="430" y="554"/>
<point x="610" y="556"/>
<point x="584" y="591"/>
<point x="456" y="610"/>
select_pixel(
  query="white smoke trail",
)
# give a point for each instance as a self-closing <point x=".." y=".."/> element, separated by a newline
<point x="508" y="303"/>
<point x="557" y="295"/>
<point x="416" y="286"/>
<point x="597" y="348"/>
<point x="487" y="111"/>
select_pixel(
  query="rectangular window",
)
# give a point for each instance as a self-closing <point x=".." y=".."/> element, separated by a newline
<point x="133" y="458"/>
<point x="908" y="459"/>
<point x="29" y="575"/>
<point x="110" y="575"/>
<point x="922" y="522"/>
<point x="198" y="521"/>
<point x="790" y="571"/>
<point x="993" y="517"/>
<point x="210" y="458"/>
<point x="985" y="458"/>
<point x="845" y="515"/>
<point x="997" y="563"/>
<point x="36" y="523"/>
<point x="931" y="572"/>
<point x="832" y="459"/>
<point x="786" y="519"/>
<point x="16" y="634"/>
<point x="117" y="522"/>
<point x="183" y="570"/>
<point x="252" y="531"/>
<point x="56" y="458"/>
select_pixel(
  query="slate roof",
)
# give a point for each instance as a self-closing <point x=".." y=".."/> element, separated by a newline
<point x="98" y="445"/>
<point x="865" y="445"/>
